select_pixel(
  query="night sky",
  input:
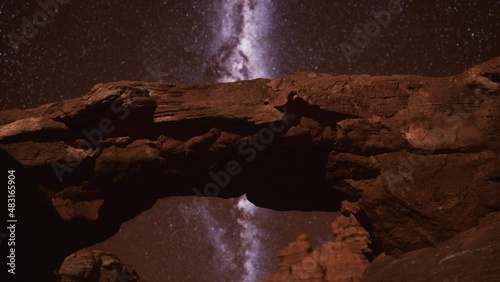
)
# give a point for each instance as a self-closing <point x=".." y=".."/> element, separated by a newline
<point x="186" y="239"/>
<point x="49" y="54"/>
<point x="87" y="42"/>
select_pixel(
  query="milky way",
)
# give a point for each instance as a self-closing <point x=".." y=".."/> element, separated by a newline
<point x="89" y="42"/>
<point x="240" y="50"/>
<point x="250" y="239"/>
<point x="213" y="240"/>
<point x="241" y="54"/>
<point x="240" y="43"/>
<point x="228" y="250"/>
<point x="224" y="256"/>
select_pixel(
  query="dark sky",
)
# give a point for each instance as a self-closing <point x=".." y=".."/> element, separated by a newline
<point x="68" y="50"/>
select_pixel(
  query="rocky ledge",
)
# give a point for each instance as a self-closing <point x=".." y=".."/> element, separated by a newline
<point x="414" y="159"/>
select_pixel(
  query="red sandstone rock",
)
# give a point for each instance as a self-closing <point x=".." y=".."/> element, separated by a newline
<point x="93" y="265"/>
<point x="339" y="261"/>
<point x="472" y="255"/>
<point x="418" y="156"/>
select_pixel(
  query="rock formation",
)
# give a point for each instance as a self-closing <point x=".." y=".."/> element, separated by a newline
<point x="339" y="261"/>
<point x="93" y="265"/>
<point x="414" y="158"/>
<point x="472" y="255"/>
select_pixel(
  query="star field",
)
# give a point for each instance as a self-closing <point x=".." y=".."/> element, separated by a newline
<point x="88" y="42"/>
<point x="81" y="43"/>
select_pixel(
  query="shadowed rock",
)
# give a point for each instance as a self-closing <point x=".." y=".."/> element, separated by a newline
<point x="473" y="255"/>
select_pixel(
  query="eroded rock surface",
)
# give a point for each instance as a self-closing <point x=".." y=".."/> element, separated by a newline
<point x="415" y="159"/>
<point x="473" y="255"/>
<point x="340" y="260"/>
<point x="92" y="265"/>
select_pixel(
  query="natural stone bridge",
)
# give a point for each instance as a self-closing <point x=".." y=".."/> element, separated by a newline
<point x="415" y="159"/>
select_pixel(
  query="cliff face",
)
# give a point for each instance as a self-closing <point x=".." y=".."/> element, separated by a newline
<point x="415" y="159"/>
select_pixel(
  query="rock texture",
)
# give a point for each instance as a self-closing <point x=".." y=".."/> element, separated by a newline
<point x="341" y="260"/>
<point x="414" y="158"/>
<point x="93" y="265"/>
<point x="473" y="255"/>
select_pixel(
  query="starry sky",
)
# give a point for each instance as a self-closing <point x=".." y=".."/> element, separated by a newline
<point x="60" y="49"/>
<point x="82" y="43"/>
<point x="220" y="240"/>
